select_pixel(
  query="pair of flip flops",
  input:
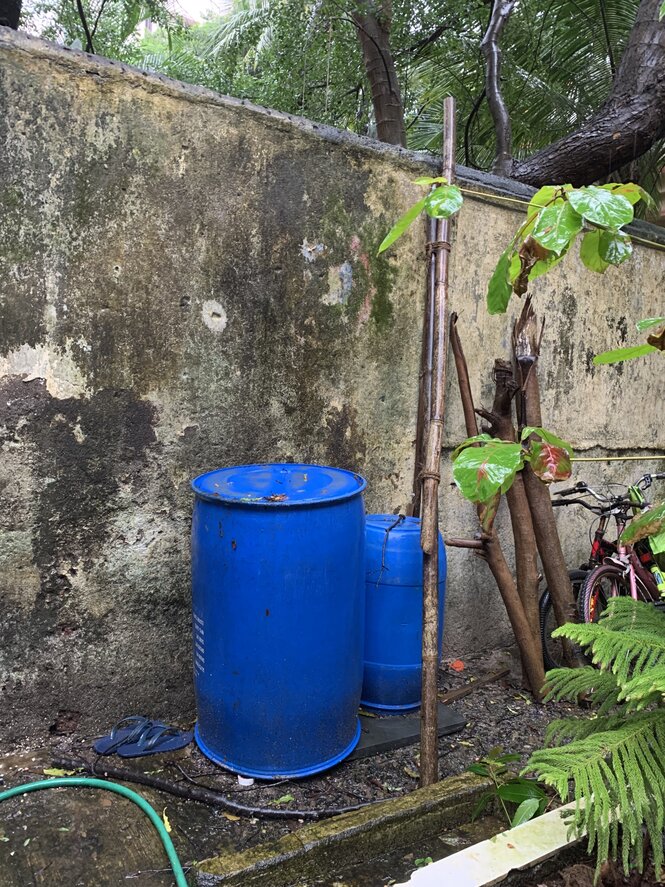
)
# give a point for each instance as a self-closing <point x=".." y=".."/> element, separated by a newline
<point x="136" y="736"/>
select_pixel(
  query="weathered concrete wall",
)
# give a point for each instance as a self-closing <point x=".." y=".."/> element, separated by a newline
<point x="187" y="282"/>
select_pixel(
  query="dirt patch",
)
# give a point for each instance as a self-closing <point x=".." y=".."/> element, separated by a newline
<point x="501" y="714"/>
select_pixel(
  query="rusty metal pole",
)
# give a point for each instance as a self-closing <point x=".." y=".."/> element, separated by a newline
<point x="429" y="759"/>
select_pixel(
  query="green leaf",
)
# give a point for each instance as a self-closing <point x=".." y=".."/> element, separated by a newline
<point x="499" y="289"/>
<point x="423" y="861"/>
<point x="549" y="463"/>
<point x="542" y="266"/>
<point x="517" y="791"/>
<point x="633" y="192"/>
<point x="477" y="438"/>
<point x="648" y="322"/>
<point x="647" y="524"/>
<point x="514" y="268"/>
<point x="56" y="771"/>
<point x="428" y="180"/>
<point x="556" y="226"/>
<point x="619" y="354"/>
<point x="285" y="799"/>
<point x="601" y="207"/>
<point x="547" y="436"/>
<point x="590" y="252"/>
<point x="614" y="247"/>
<point x="488" y="512"/>
<point x="542" y="198"/>
<point x="661" y="11"/>
<point x="478" y="769"/>
<point x="402" y="224"/>
<point x="443" y="202"/>
<point x="482" y="805"/>
<point x="526" y="811"/>
<point x="481" y="472"/>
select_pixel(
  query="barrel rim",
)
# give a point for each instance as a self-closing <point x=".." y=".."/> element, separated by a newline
<point x="267" y="503"/>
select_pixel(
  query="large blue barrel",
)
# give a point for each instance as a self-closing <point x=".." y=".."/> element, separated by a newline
<point x="394" y="612"/>
<point x="278" y="597"/>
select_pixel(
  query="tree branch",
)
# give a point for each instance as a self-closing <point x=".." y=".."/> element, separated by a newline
<point x="489" y="47"/>
<point x="88" y="36"/>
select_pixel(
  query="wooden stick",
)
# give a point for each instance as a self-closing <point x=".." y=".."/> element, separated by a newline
<point x="467" y="689"/>
<point x="429" y="536"/>
<point x="425" y="381"/>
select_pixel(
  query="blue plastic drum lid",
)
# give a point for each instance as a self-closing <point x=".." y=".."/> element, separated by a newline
<point x="393" y="632"/>
<point x="278" y="598"/>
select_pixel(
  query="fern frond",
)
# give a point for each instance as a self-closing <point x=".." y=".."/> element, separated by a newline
<point x="619" y="769"/>
<point x="645" y="689"/>
<point x="625" y="652"/>
<point x="627" y="614"/>
<point x="600" y="687"/>
<point x="567" y="729"/>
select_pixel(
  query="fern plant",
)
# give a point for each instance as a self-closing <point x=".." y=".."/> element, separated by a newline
<point x="613" y="763"/>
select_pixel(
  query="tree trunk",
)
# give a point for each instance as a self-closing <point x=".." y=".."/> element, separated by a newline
<point x="373" y="27"/>
<point x="532" y="659"/>
<point x="629" y="123"/>
<point x="489" y="46"/>
<point x="10" y="13"/>
<point x="526" y="551"/>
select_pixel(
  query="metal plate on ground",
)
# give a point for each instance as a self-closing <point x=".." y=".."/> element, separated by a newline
<point x="380" y="734"/>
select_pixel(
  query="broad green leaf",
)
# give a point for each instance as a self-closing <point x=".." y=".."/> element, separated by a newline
<point x="499" y="289"/>
<point x="614" y="247"/>
<point x="619" y="354"/>
<point x="443" y="202"/>
<point x="488" y="512"/>
<point x="589" y="252"/>
<point x="402" y="224"/>
<point x="556" y="226"/>
<point x="601" y="207"/>
<point x="479" y="769"/>
<point x="648" y="322"/>
<point x="549" y="463"/>
<point x="542" y="198"/>
<point x="544" y="265"/>
<point x="516" y="792"/>
<point x="285" y="799"/>
<point x="423" y="861"/>
<point x="647" y="524"/>
<point x="526" y="811"/>
<point x="481" y="472"/>
<point x="428" y="180"/>
<point x="547" y="436"/>
<point x="514" y="268"/>
<point x="632" y="192"/>
<point x="477" y="438"/>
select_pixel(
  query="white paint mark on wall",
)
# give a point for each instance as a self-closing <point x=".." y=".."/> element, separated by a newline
<point x="214" y="316"/>
<point x="56" y="367"/>
<point x="340" y="283"/>
<point x="311" y="251"/>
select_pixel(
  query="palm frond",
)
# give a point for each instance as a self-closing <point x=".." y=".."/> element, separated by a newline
<point x="599" y="687"/>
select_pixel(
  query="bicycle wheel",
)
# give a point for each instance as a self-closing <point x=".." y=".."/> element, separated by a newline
<point x="553" y="647"/>
<point x="602" y="584"/>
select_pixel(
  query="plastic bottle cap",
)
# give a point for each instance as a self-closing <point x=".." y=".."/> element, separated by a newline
<point x="245" y="780"/>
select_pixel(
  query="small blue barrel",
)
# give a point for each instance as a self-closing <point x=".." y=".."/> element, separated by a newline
<point x="394" y="612"/>
<point x="278" y="576"/>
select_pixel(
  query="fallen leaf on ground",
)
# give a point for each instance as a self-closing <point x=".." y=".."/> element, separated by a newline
<point x="165" y="820"/>
<point x="412" y="773"/>
<point x="230" y="817"/>
<point x="285" y="799"/>
<point x="56" y="771"/>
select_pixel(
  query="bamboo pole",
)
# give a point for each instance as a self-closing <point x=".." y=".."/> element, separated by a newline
<point x="425" y="380"/>
<point x="429" y="759"/>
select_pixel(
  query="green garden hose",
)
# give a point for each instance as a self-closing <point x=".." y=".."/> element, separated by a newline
<point x="181" y="881"/>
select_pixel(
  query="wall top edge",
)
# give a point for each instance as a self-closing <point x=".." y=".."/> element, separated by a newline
<point x="486" y="185"/>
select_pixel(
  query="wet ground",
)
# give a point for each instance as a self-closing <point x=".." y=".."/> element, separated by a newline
<point x="88" y="838"/>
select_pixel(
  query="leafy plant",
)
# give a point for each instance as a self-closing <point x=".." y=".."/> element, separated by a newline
<point x="508" y="789"/>
<point x="484" y="467"/>
<point x="441" y="203"/>
<point x="655" y="342"/>
<point x="556" y="215"/>
<point x="616" y="759"/>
